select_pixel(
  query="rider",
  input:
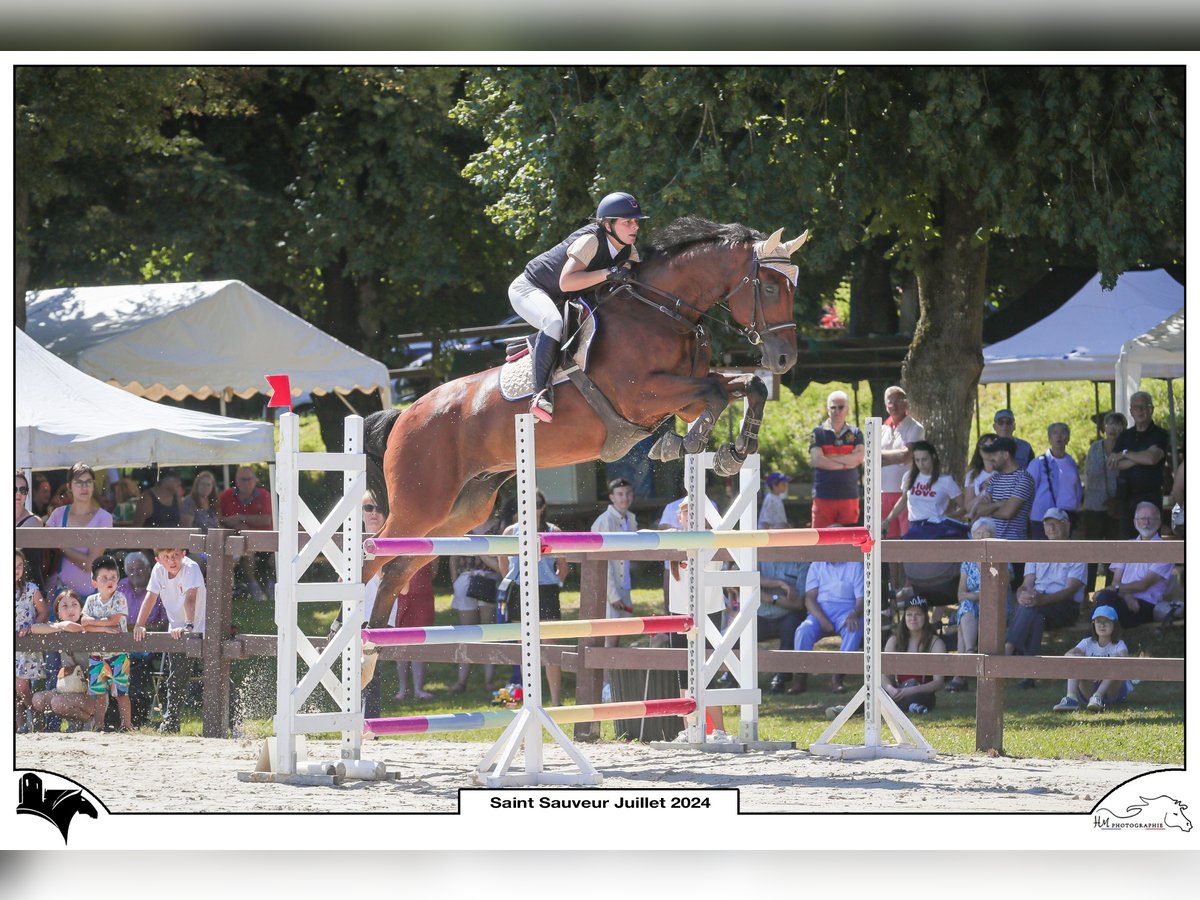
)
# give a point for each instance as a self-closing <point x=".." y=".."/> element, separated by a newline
<point x="598" y="252"/>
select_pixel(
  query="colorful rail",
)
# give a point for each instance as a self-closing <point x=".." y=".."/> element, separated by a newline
<point x="511" y="631"/>
<point x="561" y="715"/>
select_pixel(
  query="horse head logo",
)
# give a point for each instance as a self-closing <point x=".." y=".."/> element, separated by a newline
<point x="58" y="807"/>
<point x="1152" y="812"/>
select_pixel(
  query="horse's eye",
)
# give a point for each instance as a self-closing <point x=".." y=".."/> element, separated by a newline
<point x="770" y="289"/>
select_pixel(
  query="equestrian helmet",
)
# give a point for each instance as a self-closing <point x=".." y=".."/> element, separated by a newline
<point x="620" y="205"/>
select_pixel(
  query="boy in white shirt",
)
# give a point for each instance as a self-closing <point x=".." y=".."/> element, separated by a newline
<point x="178" y="582"/>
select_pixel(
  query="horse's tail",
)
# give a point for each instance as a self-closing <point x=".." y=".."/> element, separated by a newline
<point x="376" y="428"/>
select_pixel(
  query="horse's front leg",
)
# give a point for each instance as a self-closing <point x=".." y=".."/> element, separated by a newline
<point x="696" y="400"/>
<point x="731" y="456"/>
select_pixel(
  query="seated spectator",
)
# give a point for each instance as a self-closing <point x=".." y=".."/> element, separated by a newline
<point x="68" y="697"/>
<point x="1137" y="589"/>
<point x="160" y="506"/>
<point x="1104" y="641"/>
<point x="29" y="608"/>
<point x="1049" y="597"/>
<point x="932" y="498"/>
<point x="781" y="611"/>
<point x="969" y="585"/>
<point x="1009" y="492"/>
<point x="199" y="507"/>
<point x="246" y="507"/>
<point x="834" y="600"/>
<point x="1055" y="481"/>
<point x="772" y="514"/>
<point x="914" y="634"/>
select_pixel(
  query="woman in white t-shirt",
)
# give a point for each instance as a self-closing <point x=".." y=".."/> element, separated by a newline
<point x="933" y="499"/>
<point x="979" y="472"/>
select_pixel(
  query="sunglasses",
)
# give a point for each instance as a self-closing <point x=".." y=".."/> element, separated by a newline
<point x="370" y="507"/>
<point x="22" y="490"/>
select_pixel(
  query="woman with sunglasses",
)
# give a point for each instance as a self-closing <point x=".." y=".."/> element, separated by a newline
<point x="83" y="511"/>
<point x="23" y="517"/>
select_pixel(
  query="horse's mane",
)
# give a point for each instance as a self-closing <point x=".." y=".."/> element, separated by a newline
<point x="688" y="231"/>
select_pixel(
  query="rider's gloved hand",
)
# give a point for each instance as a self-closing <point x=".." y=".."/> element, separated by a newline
<point x="618" y="275"/>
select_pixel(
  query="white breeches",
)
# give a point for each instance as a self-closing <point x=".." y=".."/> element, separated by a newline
<point x="535" y="307"/>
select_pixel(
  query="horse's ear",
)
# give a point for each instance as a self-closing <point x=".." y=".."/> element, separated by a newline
<point x="792" y="246"/>
<point x="771" y="244"/>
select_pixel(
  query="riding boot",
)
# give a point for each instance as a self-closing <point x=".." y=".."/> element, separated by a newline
<point x="545" y="357"/>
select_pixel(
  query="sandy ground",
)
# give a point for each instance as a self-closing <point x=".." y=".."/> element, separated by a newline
<point x="202" y="775"/>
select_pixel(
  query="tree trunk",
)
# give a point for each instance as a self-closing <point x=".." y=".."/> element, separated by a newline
<point x="945" y="359"/>
<point x="21" y="263"/>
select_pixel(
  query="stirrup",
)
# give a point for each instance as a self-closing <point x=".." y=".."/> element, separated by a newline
<point x="542" y="406"/>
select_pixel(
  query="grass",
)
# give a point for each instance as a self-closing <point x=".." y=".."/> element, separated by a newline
<point x="1147" y="728"/>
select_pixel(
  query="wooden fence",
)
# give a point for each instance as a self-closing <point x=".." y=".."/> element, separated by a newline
<point x="587" y="657"/>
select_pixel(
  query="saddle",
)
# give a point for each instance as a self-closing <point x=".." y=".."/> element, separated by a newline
<point x="580" y="330"/>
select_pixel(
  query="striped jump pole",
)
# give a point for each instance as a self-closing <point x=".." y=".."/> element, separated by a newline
<point x="560" y="715"/>
<point x="511" y="631"/>
<point x="553" y="542"/>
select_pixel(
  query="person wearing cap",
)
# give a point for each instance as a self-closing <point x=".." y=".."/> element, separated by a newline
<point x="773" y="514"/>
<point x="900" y="431"/>
<point x="1008" y="495"/>
<point x="1005" y="423"/>
<point x="601" y="251"/>
<point x="1136" y="590"/>
<point x="1104" y="642"/>
<point x="836" y="451"/>
<point x="1055" y="480"/>
<point x="1139" y="457"/>
<point x="1049" y="597"/>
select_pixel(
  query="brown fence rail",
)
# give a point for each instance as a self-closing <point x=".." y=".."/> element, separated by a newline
<point x="587" y="657"/>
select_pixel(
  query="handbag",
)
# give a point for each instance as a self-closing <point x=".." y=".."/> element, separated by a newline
<point x="71" y="682"/>
<point x="482" y="588"/>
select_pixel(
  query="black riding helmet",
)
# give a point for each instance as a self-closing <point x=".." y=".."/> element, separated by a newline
<point x="618" y="205"/>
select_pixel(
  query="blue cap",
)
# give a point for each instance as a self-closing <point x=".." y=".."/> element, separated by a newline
<point x="1004" y="414"/>
<point x="1105" y="612"/>
<point x="775" y="477"/>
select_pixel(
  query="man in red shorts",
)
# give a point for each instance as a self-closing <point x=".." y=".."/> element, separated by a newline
<point x="836" y="452"/>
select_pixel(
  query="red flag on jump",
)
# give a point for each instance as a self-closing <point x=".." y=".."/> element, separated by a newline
<point x="281" y="387"/>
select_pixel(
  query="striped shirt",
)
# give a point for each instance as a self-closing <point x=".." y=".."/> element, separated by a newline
<point x="1003" y="486"/>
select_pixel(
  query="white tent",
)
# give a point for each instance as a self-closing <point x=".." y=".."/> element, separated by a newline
<point x="1156" y="354"/>
<point x="1081" y="340"/>
<point x="197" y="339"/>
<point x="64" y="416"/>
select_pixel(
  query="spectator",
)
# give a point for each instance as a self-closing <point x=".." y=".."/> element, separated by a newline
<point x="781" y="612"/>
<point x="43" y="491"/>
<point x="176" y="581"/>
<point x="81" y="511"/>
<point x="979" y="472"/>
<point x="900" y="431"/>
<point x="1177" y="498"/>
<point x="772" y="514"/>
<point x="914" y="634"/>
<point x="1049" y="597"/>
<point x="834" y="600"/>
<point x="24" y="518"/>
<point x="836" y="452"/>
<point x="1008" y="494"/>
<point x="1104" y="642"/>
<point x="1136" y="590"/>
<point x="931" y="497"/>
<point x="373" y="517"/>
<point x="246" y="507"/>
<point x="551" y="571"/>
<point x="474" y="582"/>
<point x="28" y="609"/>
<point x="1055" y="481"/>
<point x="108" y="673"/>
<point x="141" y="678"/>
<point x="160" y="506"/>
<point x="414" y="609"/>
<point x="1139" y="457"/>
<point x="66" y="695"/>
<point x="969" y="586"/>
<point x="62" y="496"/>
<point x="199" y="507"/>
<point x="125" y="495"/>
<point x="1005" y="423"/>
<point x="618" y="518"/>
<point x="1100" y="515"/>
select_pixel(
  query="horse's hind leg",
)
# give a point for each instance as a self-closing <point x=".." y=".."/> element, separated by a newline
<point x="731" y="456"/>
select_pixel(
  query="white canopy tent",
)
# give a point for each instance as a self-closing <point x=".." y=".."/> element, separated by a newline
<point x="1159" y="353"/>
<point x="196" y="339"/>
<point x="64" y="416"/>
<point x="1082" y="339"/>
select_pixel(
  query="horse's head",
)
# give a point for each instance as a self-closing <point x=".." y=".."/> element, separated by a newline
<point x="762" y="301"/>
<point x="1172" y="809"/>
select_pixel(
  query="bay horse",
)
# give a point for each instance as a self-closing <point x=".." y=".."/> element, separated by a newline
<point x="444" y="458"/>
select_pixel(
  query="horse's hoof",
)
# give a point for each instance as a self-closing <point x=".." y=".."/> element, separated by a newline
<point x="667" y="447"/>
<point x="727" y="460"/>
